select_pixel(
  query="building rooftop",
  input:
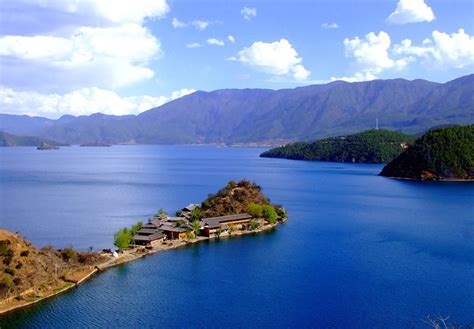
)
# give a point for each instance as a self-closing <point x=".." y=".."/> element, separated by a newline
<point x="214" y="222"/>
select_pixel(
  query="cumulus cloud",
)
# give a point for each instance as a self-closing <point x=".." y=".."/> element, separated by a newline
<point x="198" y="24"/>
<point x="78" y="44"/>
<point x="278" y="58"/>
<point x="231" y="38"/>
<point x="455" y="50"/>
<point x="177" y="24"/>
<point x="83" y="101"/>
<point x="194" y="45"/>
<point x="102" y="56"/>
<point x="329" y="26"/>
<point x="372" y="56"/>
<point x="215" y="42"/>
<point x="96" y="11"/>
<point x="248" y="13"/>
<point x="411" y="11"/>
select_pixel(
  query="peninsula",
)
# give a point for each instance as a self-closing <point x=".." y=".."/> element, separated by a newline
<point x="440" y="154"/>
<point x="371" y="146"/>
<point x="29" y="275"/>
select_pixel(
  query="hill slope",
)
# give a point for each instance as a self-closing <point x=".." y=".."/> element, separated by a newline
<point x="12" y="140"/>
<point x="446" y="153"/>
<point x="372" y="146"/>
<point x="33" y="272"/>
<point x="263" y="115"/>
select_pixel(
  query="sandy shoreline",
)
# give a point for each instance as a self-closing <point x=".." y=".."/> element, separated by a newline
<point x="12" y="304"/>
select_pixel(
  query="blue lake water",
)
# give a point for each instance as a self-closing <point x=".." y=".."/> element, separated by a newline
<point x="358" y="251"/>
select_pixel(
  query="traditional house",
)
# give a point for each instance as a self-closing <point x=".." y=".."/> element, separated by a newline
<point x="174" y="232"/>
<point x="213" y="224"/>
<point x="188" y="210"/>
<point x="149" y="235"/>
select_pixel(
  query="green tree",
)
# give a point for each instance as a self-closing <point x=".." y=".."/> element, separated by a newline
<point x="196" y="214"/>
<point x="161" y="213"/>
<point x="136" y="227"/>
<point x="123" y="238"/>
<point x="220" y="230"/>
<point x="196" y="227"/>
<point x="255" y="210"/>
<point x="270" y="214"/>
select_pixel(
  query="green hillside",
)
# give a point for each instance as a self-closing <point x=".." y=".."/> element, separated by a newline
<point x="371" y="146"/>
<point x="446" y="153"/>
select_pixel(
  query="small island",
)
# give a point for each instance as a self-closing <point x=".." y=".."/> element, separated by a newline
<point x="47" y="146"/>
<point x="97" y="144"/>
<point x="371" y="146"/>
<point x="29" y="274"/>
<point x="440" y="154"/>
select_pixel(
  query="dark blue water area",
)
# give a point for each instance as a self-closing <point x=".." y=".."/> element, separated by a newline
<point x="358" y="250"/>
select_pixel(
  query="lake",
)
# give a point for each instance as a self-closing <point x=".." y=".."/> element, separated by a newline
<point x="358" y="250"/>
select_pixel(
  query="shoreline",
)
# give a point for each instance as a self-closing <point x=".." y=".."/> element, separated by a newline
<point x="125" y="257"/>
<point x="454" y="180"/>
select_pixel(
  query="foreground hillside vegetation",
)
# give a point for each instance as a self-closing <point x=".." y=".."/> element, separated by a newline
<point x="28" y="273"/>
<point x="372" y="146"/>
<point x="446" y="153"/>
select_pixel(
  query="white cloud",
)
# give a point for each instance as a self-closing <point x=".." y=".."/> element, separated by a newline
<point x="107" y="11"/>
<point x="455" y="50"/>
<point x="411" y="11"/>
<point x="197" y="24"/>
<point x="371" y="55"/>
<point x="248" y="13"/>
<point x="108" y="57"/>
<point x="231" y="38"/>
<point x="278" y="58"/>
<point x="176" y="23"/>
<point x="194" y="45"/>
<point x="329" y="26"/>
<point x="215" y="42"/>
<point x="200" y="25"/>
<point x="83" y="101"/>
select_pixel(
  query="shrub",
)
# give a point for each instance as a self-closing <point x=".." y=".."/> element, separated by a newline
<point x="17" y="281"/>
<point x="5" y="283"/>
<point x="206" y="204"/>
<point x="253" y="225"/>
<point x="19" y="265"/>
<point x="255" y="210"/>
<point x="179" y="213"/>
<point x="5" y="250"/>
<point x="10" y="271"/>
<point x="24" y="253"/>
<point x="270" y="214"/>
<point x="68" y="253"/>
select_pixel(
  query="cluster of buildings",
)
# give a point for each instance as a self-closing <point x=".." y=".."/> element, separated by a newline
<point x="163" y="227"/>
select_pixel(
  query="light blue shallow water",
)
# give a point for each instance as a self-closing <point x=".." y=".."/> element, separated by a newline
<point x="358" y="250"/>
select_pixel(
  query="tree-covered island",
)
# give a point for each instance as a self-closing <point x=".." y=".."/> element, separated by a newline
<point x="440" y="154"/>
<point x="371" y="146"/>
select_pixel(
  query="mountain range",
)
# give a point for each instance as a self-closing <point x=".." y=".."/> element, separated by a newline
<point x="264" y="116"/>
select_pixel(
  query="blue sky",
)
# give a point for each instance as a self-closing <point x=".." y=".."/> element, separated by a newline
<point x="120" y="57"/>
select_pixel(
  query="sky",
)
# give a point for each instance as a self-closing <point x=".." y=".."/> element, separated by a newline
<point x="121" y="57"/>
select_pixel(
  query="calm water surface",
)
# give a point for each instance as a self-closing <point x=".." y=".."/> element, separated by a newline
<point x="358" y="250"/>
